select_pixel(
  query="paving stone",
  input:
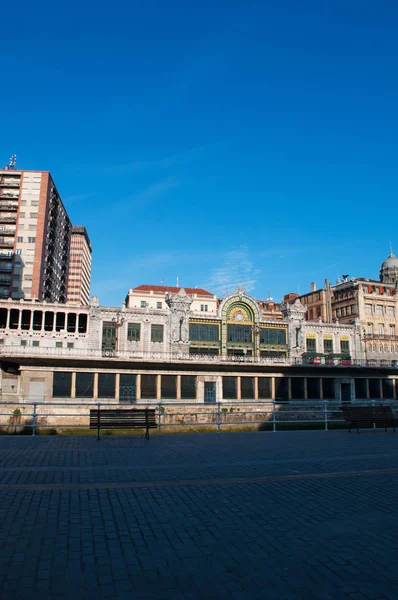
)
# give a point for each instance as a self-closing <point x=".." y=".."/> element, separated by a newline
<point x="242" y="515"/>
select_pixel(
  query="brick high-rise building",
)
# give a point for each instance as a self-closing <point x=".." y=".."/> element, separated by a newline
<point x="35" y="235"/>
<point x="79" y="266"/>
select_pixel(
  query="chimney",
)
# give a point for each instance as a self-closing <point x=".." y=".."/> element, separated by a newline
<point x="313" y="286"/>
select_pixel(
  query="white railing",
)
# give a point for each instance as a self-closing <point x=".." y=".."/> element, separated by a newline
<point x="11" y="350"/>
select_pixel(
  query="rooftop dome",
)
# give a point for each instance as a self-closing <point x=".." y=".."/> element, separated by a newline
<point x="391" y="261"/>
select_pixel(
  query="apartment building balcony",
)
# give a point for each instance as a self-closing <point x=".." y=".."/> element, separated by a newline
<point x="6" y="243"/>
<point x="8" y="206"/>
<point x="8" y="195"/>
<point x="7" y="231"/>
<point x="8" y="218"/>
<point x="10" y="183"/>
<point x="378" y="336"/>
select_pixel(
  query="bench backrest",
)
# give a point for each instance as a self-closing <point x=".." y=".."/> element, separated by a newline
<point x="366" y="412"/>
<point x="133" y="417"/>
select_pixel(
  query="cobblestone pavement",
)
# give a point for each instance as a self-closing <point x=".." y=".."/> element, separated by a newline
<point x="239" y="515"/>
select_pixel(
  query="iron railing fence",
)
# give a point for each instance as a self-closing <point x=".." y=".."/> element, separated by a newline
<point x="267" y="415"/>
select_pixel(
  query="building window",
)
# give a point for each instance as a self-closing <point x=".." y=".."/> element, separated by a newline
<point x="106" y="385"/>
<point x="84" y="385"/>
<point x="33" y="215"/>
<point x="337" y="312"/>
<point x="353" y="311"/>
<point x="70" y="345"/>
<point x="18" y="252"/>
<point x="343" y="311"/>
<point x="311" y="344"/>
<point x="158" y="305"/>
<point x="328" y="346"/>
<point x="35" y="343"/>
<point x="390" y="311"/>
<point x="19" y="239"/>
<point x="143" y="304"/>
<point x="188" y="387"/>
<point x="392" y="330"/>
<point x="380" y="329"/>
<point x="157" y="333"/>
<point x="204" y="307"/>
<point x="203" y="332"/>
<point x="62" y="384"/>
<point x="23" y="343"/>
<point x="276" y="337"/>
<point x="239" y="333"/>
<point x="58" y="344"/>
<point x="370" y="329"/>
<point x="344" y="346"/>
<point x="368" y="309"/>
<point x="379" y="309"/>
<point x="31" y="240"/>
<point x="133" y="332"/>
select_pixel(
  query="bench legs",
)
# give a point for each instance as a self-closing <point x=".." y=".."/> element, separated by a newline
<point x="352" y="425"/>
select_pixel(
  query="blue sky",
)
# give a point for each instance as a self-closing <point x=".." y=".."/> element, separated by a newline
<point x="221" y="142"/>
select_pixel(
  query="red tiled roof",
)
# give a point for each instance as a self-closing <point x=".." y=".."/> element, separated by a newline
<point x="174" y="290"/>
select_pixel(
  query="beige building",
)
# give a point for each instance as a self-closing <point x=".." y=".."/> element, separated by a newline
<point x="79" y="280"/>
<point x="371" y="304"/>
<point x="34" y="237"/>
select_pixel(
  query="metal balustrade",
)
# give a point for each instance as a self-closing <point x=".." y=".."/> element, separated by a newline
<point x="265" y="415"/>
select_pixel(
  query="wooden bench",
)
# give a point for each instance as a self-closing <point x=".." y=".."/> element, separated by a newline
<point x="369" y="414"/>
<point x="116" y="418"/>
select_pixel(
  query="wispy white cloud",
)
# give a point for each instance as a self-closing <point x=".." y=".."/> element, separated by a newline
<point x="167" y="162"/>
<point x="151" y="192"/>
<point x="236" y="268"/>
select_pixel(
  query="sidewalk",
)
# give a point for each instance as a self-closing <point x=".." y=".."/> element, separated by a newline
<point x="306" y="514"/>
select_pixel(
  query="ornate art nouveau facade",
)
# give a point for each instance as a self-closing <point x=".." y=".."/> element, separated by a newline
<point x="240" y="350"/>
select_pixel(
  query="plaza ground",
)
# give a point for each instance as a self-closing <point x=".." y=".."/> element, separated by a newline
<point x="295" y="514"/>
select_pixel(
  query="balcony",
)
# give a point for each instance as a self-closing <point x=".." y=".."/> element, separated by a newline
<point x="8" y="206"/>
<point x="8" y="195"/>
<point x="7" y="231"/>
<point x="8" y="219"/>
<point x="6" y="243"/>
<point x="377" y="336"/>
<point x="10" y="182"/>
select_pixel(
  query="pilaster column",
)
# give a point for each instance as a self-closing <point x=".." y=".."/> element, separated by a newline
<point x="238" y="388"/>
<point x="178" y="387"/>
<point x="158" y="387"/>
<point x="256" y="388"/>
<point x="8" y="318"/>
<point x="73" y="386"/>
<point x="117" y="386"/>
<point x="19" y="319"/>
<point x="138" y="386"/>
<point x="272" y="388"/>
<point x="305" y="389"/>
<point x="95" y="390"/>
